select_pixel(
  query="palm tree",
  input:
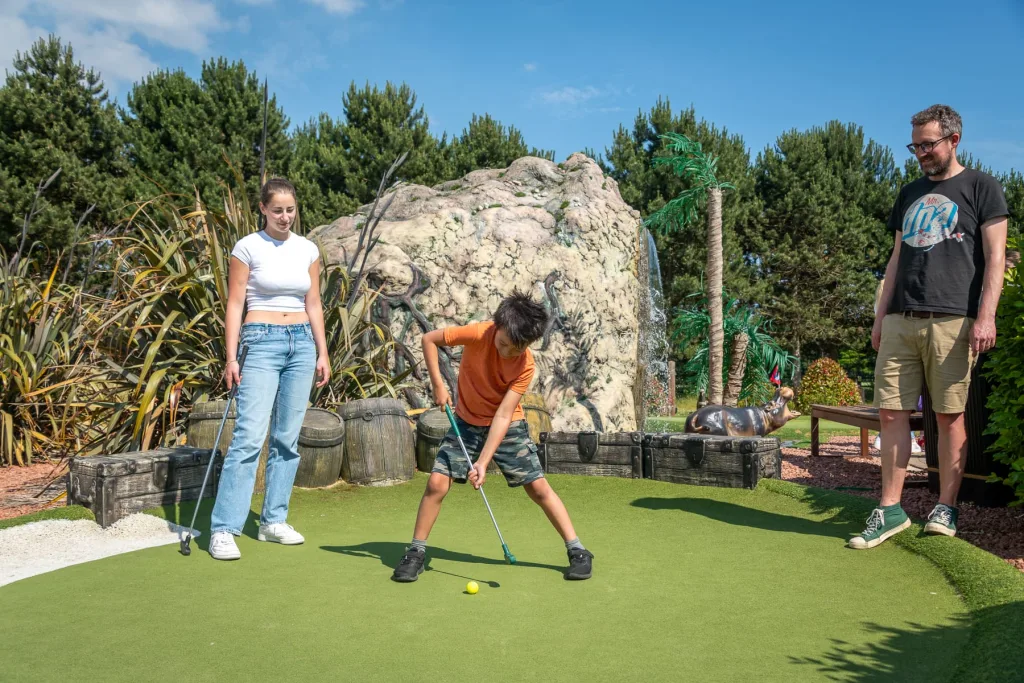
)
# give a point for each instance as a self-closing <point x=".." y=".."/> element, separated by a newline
<point x="689" y="161"/>
<point x="753" y="353"/>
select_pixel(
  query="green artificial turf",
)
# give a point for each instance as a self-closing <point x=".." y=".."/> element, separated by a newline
<point x="65" y="512"/>
<point x="691" y="583"/>
<point x="992" y="589"/>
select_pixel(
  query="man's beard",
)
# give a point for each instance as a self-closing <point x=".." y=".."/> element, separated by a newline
<point x="936" y="166"/>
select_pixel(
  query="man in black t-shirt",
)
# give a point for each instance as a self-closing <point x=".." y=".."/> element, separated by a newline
<point x="936" y="313"/>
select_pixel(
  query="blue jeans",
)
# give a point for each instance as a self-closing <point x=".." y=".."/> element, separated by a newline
<point x="276" y="382"/>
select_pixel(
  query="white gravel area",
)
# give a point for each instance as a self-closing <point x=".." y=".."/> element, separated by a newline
<point x="41" y="547"/>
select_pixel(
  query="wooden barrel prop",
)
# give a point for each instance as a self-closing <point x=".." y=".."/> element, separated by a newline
<point x="321" y="447"/>
<point x="430" y="431"/>
<point x="203" y="421"/>
<point x="380" y="446"/>
<point x="538" y="419"/>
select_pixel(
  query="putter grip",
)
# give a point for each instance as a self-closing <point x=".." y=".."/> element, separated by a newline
<point x="241" y="364"/>
<point x="451" y="419"/>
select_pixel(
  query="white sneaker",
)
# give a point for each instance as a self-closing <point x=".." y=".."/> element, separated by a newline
<point x="280" y="533"/>
<point x="878" y="443"/>
<point x="222" y="546"/>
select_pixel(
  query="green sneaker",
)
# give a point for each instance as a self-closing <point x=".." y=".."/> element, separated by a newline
<point x="942" y="520"/>
<point x="881" y="525"/>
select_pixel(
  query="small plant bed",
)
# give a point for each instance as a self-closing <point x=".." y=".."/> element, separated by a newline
<point x="24" y="490"/>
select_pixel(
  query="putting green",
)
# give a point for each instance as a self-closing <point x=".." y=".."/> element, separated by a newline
<point x="691" y="583"/>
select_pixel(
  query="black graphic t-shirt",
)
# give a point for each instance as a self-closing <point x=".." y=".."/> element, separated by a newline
<point x="942" y="257"/>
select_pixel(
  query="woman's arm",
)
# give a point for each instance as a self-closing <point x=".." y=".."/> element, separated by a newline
<point x="315" y="311"/>
<point x="238" y="278"/>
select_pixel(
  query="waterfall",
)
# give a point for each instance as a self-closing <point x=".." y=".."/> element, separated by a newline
<point x="656" y="352"/>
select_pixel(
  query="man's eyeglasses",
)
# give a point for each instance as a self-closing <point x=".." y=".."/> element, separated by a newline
<point x="927" y="146"/>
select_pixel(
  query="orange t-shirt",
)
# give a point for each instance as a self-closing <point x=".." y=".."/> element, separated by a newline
<point x="484" y="376"/>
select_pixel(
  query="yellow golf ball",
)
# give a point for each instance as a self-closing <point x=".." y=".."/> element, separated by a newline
<point x="472" y="587"/>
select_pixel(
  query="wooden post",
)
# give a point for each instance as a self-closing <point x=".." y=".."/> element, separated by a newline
<point x="672" y="387"/>
<point x="814" y="435"/>
<point x="864" y="442"/>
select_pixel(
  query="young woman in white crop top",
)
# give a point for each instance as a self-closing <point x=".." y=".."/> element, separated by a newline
<point x="276" y="275"/>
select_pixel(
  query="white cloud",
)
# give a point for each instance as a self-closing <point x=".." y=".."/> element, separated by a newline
<point x="107" y="51"/>
<point x="571" y="96"/>
<point x="344" y="7"/>
<point x="182" y="24"/>
<point x="104" y="34"/>
<point x="575" y="101"/>
<point x="529" y="66"/>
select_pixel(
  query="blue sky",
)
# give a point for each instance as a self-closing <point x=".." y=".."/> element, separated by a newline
<point x="568" y="73"/>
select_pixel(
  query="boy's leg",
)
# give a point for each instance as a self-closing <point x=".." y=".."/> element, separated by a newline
<point x="542" y="494"/>
<point x="430" y="505"/>
<point x="518" y="461"/>
<point x="438" y="485"/>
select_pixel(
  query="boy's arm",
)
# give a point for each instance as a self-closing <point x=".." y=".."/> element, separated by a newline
<point x="431" y="340"/>
<point x="499" y="428"/>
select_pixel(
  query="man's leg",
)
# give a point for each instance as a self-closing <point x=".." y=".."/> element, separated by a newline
<point x="948" y="368"/>
<point x="898" y="379"/>
<point x="895" y="453"/>
<point x="952" y="454"/>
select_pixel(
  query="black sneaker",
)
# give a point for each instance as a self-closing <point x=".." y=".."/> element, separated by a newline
<point x="580" y="565"/>
<point x="411" y="566"/>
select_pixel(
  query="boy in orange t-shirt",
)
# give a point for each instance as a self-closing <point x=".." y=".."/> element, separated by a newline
<point x="495" y="372"/>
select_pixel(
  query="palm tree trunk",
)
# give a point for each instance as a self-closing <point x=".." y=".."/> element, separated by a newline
<point x="737" y="367"/>
<point x="716" y="333"/>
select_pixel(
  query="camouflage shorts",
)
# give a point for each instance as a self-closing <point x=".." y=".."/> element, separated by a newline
<point x="516" y="457"/>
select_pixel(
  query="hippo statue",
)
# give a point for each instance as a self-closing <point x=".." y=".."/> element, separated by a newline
<point x="719" y="420"/>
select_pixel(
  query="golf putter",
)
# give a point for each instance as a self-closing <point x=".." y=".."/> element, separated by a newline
<point x="186" y="549"/>
<point x="509" y="557"/>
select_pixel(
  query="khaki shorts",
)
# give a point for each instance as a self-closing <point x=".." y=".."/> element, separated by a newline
<point x="915" y="351"/>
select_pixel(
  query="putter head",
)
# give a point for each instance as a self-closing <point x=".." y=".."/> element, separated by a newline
<point x="511" y="558"/>
<point x="185" y="549"/>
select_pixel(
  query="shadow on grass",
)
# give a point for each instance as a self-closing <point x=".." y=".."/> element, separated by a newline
<point x="390" y="554"/>
<point x="739" y="515"/>
<point x="988" y="645"/>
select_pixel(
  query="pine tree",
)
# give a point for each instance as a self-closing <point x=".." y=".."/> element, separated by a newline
<point x="647" y="188"/>
<point x="486" y="143"/>
<point x="55" y="114"/>
<point x="827" y="194"/>
<point x="185" y="134"/>
<point x="380" y="125"/>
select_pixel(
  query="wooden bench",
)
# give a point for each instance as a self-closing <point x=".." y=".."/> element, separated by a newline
<point x="864" y="417"/>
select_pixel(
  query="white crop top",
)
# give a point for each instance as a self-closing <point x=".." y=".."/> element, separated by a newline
<point x="278" y="271"/>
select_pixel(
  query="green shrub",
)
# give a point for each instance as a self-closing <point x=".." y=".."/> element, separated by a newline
<point x="1005" y="369"/>
<point x="520" y="194"/>
<point x="826" y="384"/>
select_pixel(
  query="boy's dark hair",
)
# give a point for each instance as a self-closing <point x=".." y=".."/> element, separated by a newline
<point x="523" y="319"/>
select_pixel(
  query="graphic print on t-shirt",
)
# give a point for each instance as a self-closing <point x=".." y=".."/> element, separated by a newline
<point x="929" y="220"/>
